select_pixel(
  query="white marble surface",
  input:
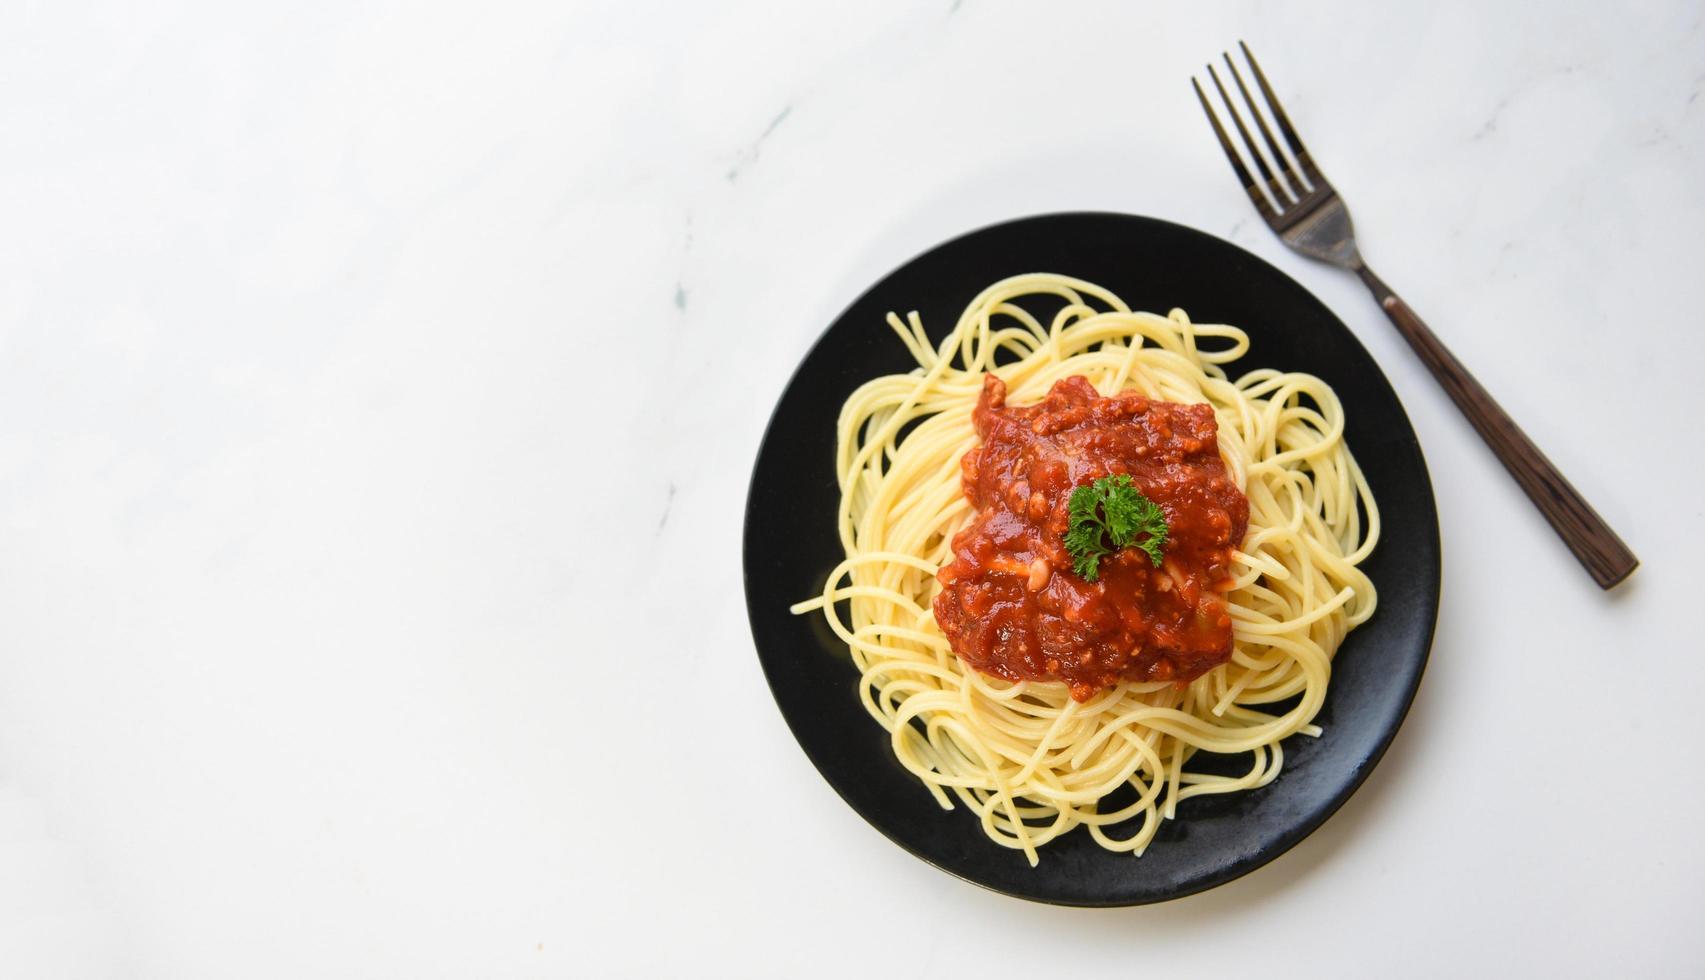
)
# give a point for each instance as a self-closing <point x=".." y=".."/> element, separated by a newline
<point x="379" y="383"/>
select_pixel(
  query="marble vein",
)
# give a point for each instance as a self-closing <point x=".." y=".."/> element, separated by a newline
<point x="749" y="156"/>
<point x="681" y="272"/>
<point x="668" y="505"/>
<point x="1490" y="126"/>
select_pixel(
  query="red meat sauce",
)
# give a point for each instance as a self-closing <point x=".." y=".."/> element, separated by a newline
<point x="1010" y="603"/>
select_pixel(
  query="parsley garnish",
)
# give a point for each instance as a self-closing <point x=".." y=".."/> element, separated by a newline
<point x="1111" y="509"/>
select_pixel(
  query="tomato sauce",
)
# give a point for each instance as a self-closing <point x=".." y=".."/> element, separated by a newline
<point x="1010" y="603"/>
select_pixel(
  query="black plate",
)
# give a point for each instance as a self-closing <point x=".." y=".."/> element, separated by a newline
<point x="1153" y="265"/>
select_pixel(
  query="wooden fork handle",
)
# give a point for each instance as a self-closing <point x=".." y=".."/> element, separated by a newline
<point x="1604" y="554"/>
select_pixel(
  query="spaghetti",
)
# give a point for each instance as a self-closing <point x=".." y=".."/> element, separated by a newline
<point x="1026" y="757"/>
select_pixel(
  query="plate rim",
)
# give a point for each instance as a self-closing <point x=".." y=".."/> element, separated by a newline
<point x="1244" y="864"/>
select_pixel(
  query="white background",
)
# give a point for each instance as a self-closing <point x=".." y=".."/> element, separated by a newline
<point x="379" y="384"/>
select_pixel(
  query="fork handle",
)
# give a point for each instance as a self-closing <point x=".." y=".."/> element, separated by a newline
<point x="1604" y="554"/>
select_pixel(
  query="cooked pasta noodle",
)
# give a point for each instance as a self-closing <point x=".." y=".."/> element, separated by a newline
<point x="1026" y="758"/>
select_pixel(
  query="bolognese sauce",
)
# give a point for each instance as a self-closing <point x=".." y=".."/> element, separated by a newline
<point x="1010" y="603"/>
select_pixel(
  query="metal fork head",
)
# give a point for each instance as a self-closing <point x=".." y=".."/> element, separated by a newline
<point x="1291" y="194"/>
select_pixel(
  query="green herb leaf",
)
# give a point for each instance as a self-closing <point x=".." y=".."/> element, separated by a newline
<point x="1083" y="542"/>
<point x="1119" y="501"/>
<point x="1108" y="515"/>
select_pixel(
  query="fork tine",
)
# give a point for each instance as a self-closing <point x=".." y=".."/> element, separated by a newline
<point x="1288" y="179"/>
<point x="1249" y="185"/>
<point x="1304" y="162"/>
<point x="1249" y="143"/>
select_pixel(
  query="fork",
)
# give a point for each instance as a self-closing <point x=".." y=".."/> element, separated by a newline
<point x="1298" y="204"/>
